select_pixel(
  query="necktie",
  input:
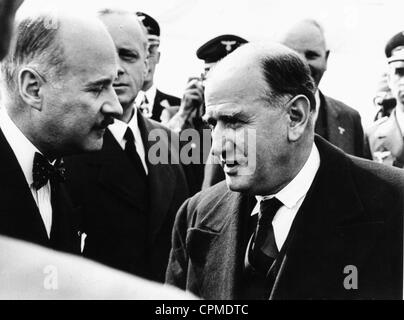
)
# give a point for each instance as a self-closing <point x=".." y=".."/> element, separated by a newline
<point x="264" y="250"/>
<point x="131" y="152"/>
<point x="43" y="171"/>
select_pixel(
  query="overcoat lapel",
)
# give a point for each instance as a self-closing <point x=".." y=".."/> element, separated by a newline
<point x="219" y="245"/>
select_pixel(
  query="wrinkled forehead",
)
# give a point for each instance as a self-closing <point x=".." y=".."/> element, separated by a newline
<point x="240" y="82"/>
<point x="88" y="50"/>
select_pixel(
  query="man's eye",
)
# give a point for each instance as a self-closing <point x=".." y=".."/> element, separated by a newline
<point x="311" y="55"/>
<point x="97" y="90"/>
<point x="129" y="57"/>
<point x="211" y="123"/>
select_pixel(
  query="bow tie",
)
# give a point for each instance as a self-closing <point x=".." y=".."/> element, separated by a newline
<point x="43" y="171"/>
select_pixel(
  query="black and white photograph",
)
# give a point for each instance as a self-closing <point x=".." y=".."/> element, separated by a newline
<point x="201" y="155"/>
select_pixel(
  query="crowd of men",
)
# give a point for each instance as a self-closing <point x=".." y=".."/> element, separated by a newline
<point x="292" y="201"/>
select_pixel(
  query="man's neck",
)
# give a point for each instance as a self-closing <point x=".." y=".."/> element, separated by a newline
<point x="128" y="111"/>
<point x="147" y="86"/>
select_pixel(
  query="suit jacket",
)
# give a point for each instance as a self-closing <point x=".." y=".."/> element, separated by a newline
<point x="162" y="101"/>
<point x="386" y="141"/>
<point x="19" y="214"/>
<point x="336" y="122"/>
<point x="351" y="216"/>
<point x="341" y="125"/>
<point x="117" y="233"/>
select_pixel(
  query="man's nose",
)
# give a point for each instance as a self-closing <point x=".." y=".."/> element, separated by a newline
<point x="120" y="72"/>
<point x="112" y="106"/>
<point x="221" y="141"/>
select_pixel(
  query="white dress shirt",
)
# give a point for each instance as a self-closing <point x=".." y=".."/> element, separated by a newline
<point x="118" y="130"/>
<point x="25" y="151"/>
<point x="150" y="95"/>
<point x="292" y="197"/>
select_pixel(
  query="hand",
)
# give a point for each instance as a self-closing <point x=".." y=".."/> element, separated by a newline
<point x="192" y="100"/>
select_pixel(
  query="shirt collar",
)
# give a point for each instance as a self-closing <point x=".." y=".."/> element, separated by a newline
<point x="299" y="186"/>
<point x="23" y="149"/>
<point x="118" y="128"/>
<point x="150" y="94"/>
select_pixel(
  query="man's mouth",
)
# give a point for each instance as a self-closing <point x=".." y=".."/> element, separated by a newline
<point x="104" y="124"/>
<point x="230" y="167"/>
<point x="119" y="85"/>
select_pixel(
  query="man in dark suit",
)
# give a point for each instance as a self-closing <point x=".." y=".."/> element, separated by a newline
<point x="151" y="101"/>
<point x="129" y="197"/>
<point x="51" y="107"/>
<point x="335" y="121"/>
<point x="302" y="219"/>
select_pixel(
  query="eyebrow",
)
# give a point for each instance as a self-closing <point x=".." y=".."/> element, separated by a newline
<point x="127" y="51"/>
<point x="104" y="81"/>
<point x="238" y="114"/>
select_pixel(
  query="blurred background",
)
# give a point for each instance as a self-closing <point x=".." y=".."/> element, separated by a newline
<point x="356" y="30"/>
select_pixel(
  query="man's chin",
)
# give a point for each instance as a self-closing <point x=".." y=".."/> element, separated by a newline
<point x="236" y="184"/>
<point x="94" y="144"/>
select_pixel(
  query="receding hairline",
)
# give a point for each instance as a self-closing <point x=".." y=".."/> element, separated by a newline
<point x="310" y="22"/>
<point x="116" y="11"/>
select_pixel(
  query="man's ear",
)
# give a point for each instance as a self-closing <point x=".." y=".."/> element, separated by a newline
<point x="327" y="54"/>
<point x="29" y="84"/>
<point x="299" y="116"/>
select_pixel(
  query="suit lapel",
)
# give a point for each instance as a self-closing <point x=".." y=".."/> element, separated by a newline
<point x="159" y="177"/>
<point x="19" y="213"/>
<point x="157" y="108"/>
<point x="115" y="171"/>
<point x="218" y="243"/>
<point x="333" y="121"/>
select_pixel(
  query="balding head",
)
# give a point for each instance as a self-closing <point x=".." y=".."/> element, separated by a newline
<point x="258" y="102"/>
<point x="272" y="71"/>
<point x="59" y="75"/>
<point x="307" y="38"/>
<point x="47" y="41"/>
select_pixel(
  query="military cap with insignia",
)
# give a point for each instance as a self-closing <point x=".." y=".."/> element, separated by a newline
<point x="219" y="47"/>
<point x="152" y="26"/>
<point x="394" y="46"/>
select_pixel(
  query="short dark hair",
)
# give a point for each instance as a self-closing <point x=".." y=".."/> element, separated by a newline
<point x="36" y="43"/>
<point x="287" y="74"/>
